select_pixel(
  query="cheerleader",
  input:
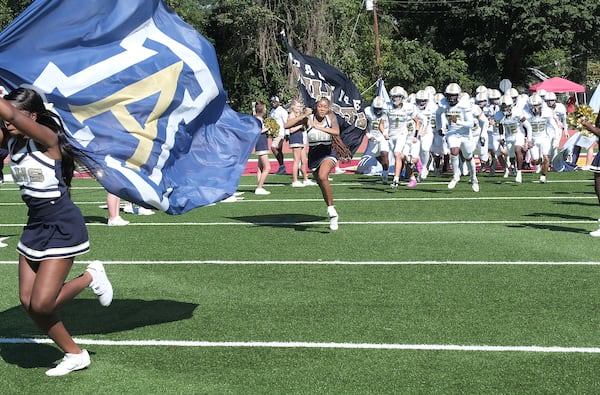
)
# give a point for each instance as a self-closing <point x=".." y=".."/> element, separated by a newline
<point x="322" y="131"/>
<point x="42" y="166"/>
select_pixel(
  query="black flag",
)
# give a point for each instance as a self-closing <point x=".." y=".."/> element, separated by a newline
<point x="317" y="79"/>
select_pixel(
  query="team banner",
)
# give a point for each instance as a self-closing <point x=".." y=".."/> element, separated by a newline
<point x="140" y="94"/>
<point x="317" y="79"/>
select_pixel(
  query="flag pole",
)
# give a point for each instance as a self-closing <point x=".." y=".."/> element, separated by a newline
<point x="376" y="28"/>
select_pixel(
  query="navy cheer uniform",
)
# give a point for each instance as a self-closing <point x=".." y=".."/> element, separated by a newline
<point x="319" y="145"/>
<point x="55" y="228"/>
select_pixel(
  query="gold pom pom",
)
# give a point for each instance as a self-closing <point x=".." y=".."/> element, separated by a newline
<point x="272" y="127"/>
<point x="582" y="112"/>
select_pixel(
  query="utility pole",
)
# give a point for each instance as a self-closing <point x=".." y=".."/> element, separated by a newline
<point x="376" y="28"/>
<point x="371" y="5"/>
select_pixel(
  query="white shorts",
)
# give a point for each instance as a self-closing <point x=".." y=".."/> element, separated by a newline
<point x="514" y="140"/>
<point x="426" y="142"/>
<point x="378" y="146"/>
<point x="542" y="146"/>
<point x="397" y="142"/>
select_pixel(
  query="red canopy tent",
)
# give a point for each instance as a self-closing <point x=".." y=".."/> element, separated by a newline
<point x="558" y="85"/>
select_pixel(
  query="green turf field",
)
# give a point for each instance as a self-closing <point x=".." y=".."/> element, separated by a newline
<point x="423" y="290"/>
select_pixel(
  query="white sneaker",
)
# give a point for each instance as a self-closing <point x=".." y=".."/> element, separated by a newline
<point x="506" y="173"/>
<point x="308" y="183"/>
<point x="231" y="199"/>
<point x="595" y="233"/>
<point x="333" y="218"/>
<point x="452" y="183"/>
<point x="475" y="186"/>
<point x="339" y="171"/>
<point x="519" y="177"/>
<point x="100" y="284"/>
<point x="543" y="180"/>
<point x="70" y="363"/>
<point x="117" y="221"/>
<point x="333" y="223"/>
<point x="138" y="210"/>
<point x="298" y="184"/>
<point x="538" y="169"/>
<point x="261" y="191"/>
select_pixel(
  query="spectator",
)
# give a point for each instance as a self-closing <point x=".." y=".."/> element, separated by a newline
<point x="279" y="114"/>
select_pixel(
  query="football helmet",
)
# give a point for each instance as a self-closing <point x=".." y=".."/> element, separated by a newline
<point x="550" y="99"/>
<point x="494" y="95"/>
<point x="535" y="104"/>
<point x="506" y="103"/>
<point x="480" y="89"/>
<point x="422" y="98"/>
<point x="431" y="91"/>
<point x="378" y="104"/>
<point x="481" y="99"/>
<point x="512" y="92"/>
<point x="398" y="94"/>
<point x="452" y="91"/>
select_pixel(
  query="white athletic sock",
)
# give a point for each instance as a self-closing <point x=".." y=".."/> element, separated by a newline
<point x="454" y="160"/>
<point x="331" y="211"/>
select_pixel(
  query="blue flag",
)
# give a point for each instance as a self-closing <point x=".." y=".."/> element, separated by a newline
<point x="140" y="94"/>
<point x="316" y="79"/>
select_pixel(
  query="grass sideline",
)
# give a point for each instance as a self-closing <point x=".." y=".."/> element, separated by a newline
<point x="422" y="290"/>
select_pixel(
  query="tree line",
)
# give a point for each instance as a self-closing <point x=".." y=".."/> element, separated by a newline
<point x="425" y="42"/>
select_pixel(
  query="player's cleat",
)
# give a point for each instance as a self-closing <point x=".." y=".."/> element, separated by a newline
<point x="309" y="183"/>
<point x="394" y="184"/>
<point x="298" y="184"/>
<point x="465" y="169"/>
<point x="519" y="177"/>
<point x="281" y="170"/>
<point x="70" y="363"/>
<point x="452" y="183"/>
<point x="100" y="284"/>
<point x="475" y="186"/>
<point x="412" y="183"/>
<point x="543" y="179"/>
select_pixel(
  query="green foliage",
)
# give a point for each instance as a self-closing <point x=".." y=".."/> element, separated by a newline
<point x="421" y="43"/>
<point x="193" y="12"/>
<point x="503" y="38"/>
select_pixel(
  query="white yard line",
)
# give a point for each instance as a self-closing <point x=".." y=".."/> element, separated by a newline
<point x="354" y="346"/>
<point x="338" y="263"/>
